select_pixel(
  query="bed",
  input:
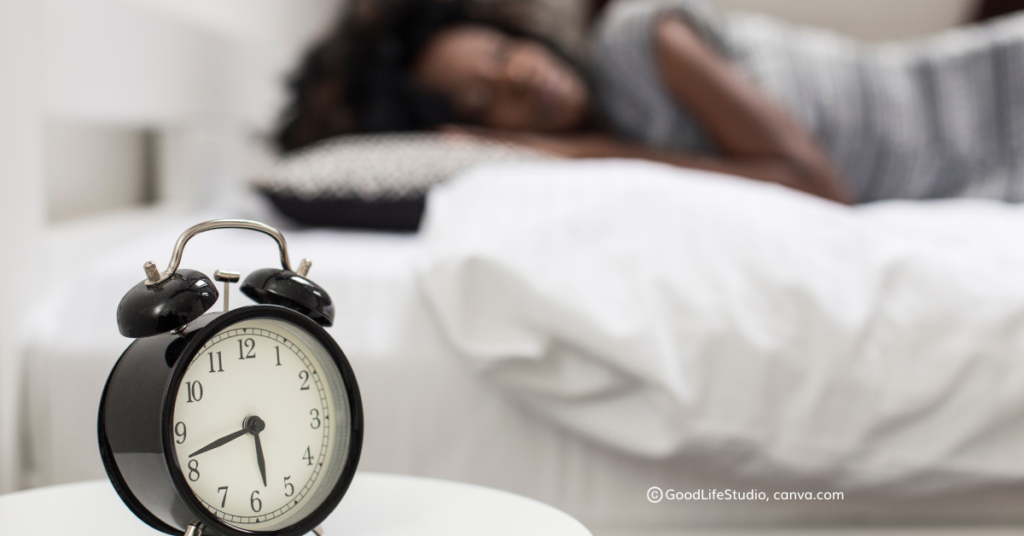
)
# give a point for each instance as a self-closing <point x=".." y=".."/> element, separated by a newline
<point x="432" y="409"/>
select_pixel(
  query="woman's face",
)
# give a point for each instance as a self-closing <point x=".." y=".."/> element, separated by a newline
<point x="501" y="81"/>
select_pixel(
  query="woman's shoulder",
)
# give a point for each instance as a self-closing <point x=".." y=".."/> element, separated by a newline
<point x="631" y="23"/>
<point x="627" y="85"/>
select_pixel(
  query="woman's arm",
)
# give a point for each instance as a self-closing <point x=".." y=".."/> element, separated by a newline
<point x="604" y="146"/>
<point x="758" y="140"/>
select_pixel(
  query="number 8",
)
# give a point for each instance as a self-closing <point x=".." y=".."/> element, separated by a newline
<point x="193" y="469"/>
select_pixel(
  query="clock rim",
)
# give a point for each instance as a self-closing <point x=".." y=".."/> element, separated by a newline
<point x="197" y="340"/>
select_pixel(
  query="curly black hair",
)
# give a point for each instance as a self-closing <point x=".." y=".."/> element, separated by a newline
<point x="357" y="79"/>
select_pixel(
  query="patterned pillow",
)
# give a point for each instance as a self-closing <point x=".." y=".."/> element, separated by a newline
<point x="374" y="181"/>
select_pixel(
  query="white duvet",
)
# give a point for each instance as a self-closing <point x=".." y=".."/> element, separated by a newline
<point x="666" y="312"/>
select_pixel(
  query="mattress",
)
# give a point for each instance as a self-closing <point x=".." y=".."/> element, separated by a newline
<point x="426" y="412"/>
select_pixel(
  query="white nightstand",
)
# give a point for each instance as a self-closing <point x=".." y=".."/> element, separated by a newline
<point x="376" y="504"/>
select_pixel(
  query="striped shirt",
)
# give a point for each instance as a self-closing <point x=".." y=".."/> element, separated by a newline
<point x="937" y="117"/>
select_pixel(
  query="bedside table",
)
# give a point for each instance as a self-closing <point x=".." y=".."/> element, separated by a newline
<point x="375" y="505"/>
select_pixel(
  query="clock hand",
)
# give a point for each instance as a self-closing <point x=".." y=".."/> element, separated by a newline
<point x="255" y="426"/>
<point x="226" y="439"/>
<point x="259" y="459"/>
<point x="251" y="425"/>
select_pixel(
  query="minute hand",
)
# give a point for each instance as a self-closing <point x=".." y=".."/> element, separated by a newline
<point x="259" y="459"/>
<point x="226" y="439"/>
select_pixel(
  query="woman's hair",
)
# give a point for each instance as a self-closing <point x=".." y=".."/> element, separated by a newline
<point x="358" y="78"/>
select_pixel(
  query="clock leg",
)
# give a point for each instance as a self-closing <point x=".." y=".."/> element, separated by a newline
<point x="319" y="530"/>
<point x="194" y="528"/>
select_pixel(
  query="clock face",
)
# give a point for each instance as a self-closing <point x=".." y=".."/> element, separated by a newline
<point x="261" y="425"/>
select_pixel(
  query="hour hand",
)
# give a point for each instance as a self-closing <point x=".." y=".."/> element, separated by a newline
<point x="226" y="439"/>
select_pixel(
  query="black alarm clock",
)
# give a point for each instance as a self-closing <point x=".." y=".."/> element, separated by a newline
<point x="241" y="422"/>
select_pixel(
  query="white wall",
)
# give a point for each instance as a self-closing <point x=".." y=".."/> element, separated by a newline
<point x="21" y="209"/>
<point x="151" y="61"/>
<point x="267" y="35"/>
<point x="874" y="20"/>
<point x="203" y="74"/>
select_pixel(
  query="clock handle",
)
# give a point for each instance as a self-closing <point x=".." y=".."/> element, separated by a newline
<point x="155" y="277"/>
<point x="167" y="300"/>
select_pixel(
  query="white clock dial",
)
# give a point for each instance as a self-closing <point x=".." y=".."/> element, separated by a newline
<point x="261" y="388"/>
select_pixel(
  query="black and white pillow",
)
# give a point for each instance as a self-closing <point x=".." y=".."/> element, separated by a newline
<point x="375" y="181"/>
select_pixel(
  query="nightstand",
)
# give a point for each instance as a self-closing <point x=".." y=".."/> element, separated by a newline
<point x="375" y="504"/>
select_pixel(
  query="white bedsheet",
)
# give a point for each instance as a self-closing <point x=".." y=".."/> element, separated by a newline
<point x="664" y="312"/>
<point x="427" y="411"/>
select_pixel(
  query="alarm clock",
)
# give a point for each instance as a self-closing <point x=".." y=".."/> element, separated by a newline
<point x="241" y="422"/>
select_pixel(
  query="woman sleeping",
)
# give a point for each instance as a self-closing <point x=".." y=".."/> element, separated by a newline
<point x="675" y="82"/>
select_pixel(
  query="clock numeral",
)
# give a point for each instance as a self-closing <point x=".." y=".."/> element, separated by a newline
<point x="289" y="487"/>
<point x="308" y="457"/>
<point x="193" y="470"/>
<point x="224" y="499"/>
<point x="255" y="502"/>
<point x="220" y="365"/>
<point x="246" y="344"/>
<point x="181" y="431"/>
<point x="194" y="391"/>
<point x="316" y="418"/>
<point x="278" y="350"/>
<point x="304" y="376"/>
